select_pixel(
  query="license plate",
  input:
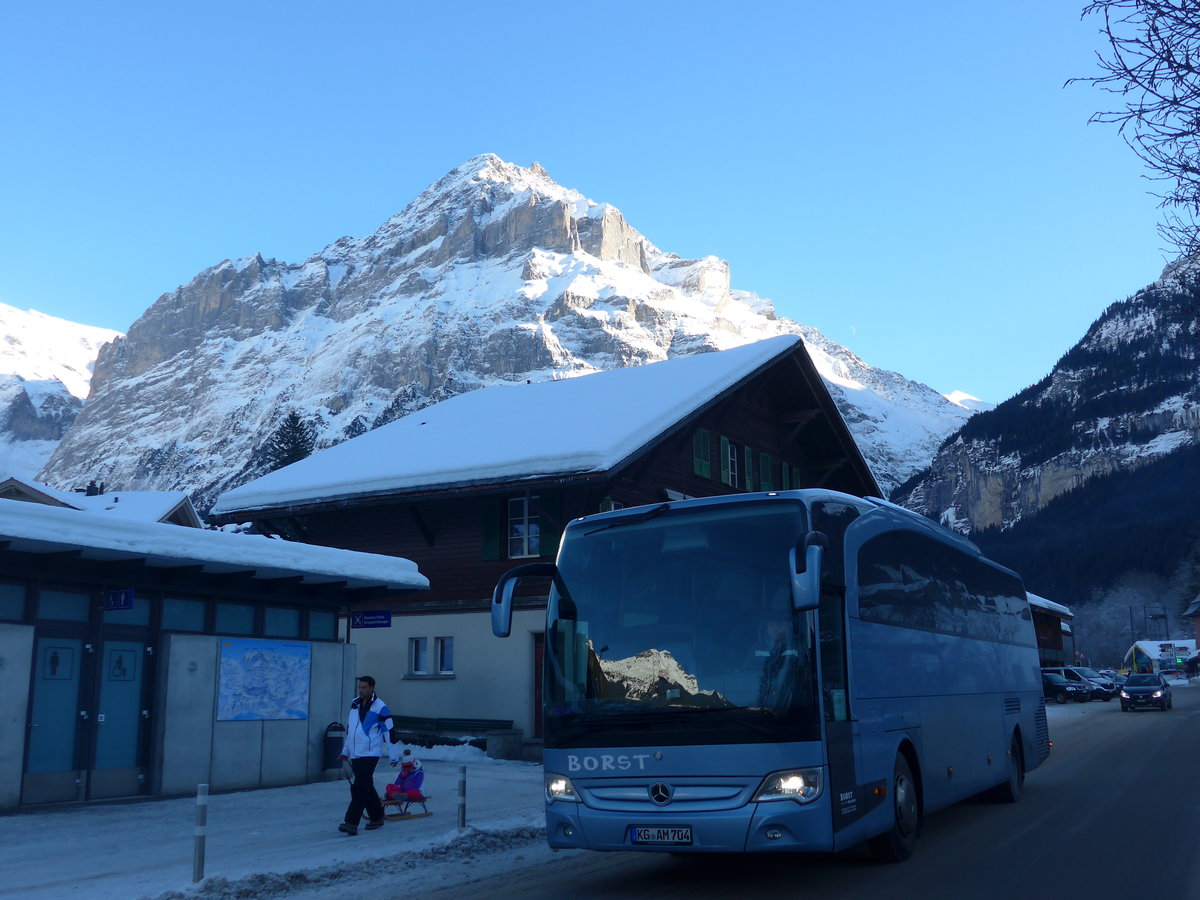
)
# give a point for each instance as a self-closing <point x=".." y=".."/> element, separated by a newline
<point x="660" y="834"/>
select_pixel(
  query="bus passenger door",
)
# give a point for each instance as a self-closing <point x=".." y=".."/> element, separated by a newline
<point x="851" y="797"/>
<point x="835" y="700"/>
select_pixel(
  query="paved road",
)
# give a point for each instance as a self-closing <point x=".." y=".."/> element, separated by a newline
<point x="1114" y="813"/>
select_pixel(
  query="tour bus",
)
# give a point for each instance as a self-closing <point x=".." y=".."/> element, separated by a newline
<point x="778" y="671"/>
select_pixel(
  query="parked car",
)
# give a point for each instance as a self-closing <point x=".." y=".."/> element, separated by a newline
<point x="1058" y="689"/>
<point x="1101" y="687"/>
<point x="1146" y="690"/>
<point x="1172" y="673"/>
<point x="1113" y="675"/>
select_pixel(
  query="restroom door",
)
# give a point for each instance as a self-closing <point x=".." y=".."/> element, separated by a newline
<point x="118" y="766"/>
<point x="57" y="722"/>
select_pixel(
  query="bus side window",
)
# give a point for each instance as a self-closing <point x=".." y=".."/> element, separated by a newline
<point x="832" y="616"/>
<point x="833" y="519"/>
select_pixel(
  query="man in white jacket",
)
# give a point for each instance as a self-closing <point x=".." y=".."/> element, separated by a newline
<point x="367" y="731"/>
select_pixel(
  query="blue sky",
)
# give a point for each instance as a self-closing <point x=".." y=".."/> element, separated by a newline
<point x="911" y="178"/>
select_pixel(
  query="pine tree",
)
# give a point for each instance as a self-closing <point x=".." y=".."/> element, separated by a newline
<point x="292" y="441"/>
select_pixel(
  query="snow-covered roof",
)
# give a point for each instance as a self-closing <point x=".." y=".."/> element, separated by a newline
<point x="34" y="528"/>
<point x="142" y="506"/>
<point x="572" y="426"/>
<point x="1154" y="649"/>
<point x="1050" y="605"/>
<point x="37" y="492"/>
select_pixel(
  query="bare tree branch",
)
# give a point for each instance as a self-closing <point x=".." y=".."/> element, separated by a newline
<point x="1152" y="63"/>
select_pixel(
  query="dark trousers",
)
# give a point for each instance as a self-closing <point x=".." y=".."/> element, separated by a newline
<point x="362" y="792"/>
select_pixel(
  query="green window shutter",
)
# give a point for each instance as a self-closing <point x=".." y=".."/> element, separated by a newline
<point x="785" y="472"/>
<point x="749" y="468"/>
<point x="724" y="460"/>
<point x="766" y="472"/>
<point x="550" y="509"/>
<point x="491" y="510"/>
<point x="702" y="453"/>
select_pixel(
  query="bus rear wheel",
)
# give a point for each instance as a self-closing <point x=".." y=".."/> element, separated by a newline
<point x="1010" y="791"/>
<point x="897" y="843"/>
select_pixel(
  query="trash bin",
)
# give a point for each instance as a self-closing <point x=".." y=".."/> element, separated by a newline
<point x="335" y="736"/>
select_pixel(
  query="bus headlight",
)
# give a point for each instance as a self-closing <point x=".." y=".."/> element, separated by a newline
<point x="801" y="785"/>
<point x="559" y="787"/>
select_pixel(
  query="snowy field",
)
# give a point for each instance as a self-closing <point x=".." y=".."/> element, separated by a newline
<point x="283" y="842"/>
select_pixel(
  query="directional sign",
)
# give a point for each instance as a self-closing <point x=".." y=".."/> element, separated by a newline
<point x="375" y="618"/>
<point x="114" y="600"/>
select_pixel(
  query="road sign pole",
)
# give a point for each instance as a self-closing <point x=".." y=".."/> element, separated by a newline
<point x="462" y="797"/>
<point x="201" y="831"/>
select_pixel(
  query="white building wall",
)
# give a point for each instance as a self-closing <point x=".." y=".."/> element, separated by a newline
<point x="493" y="677"/>
<point x="16" y="659"/>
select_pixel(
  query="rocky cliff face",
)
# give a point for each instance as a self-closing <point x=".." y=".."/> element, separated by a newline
<point x="1125" y="396"/>
<point x="494" y="273"/>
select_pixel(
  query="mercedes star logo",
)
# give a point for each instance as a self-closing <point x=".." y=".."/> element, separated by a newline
<point x="660" y="793"/>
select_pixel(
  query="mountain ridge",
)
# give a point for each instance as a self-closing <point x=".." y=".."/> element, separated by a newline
<point x="493" y="273"/>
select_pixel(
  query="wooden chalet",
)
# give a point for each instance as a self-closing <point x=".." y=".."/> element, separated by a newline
<point x="1052" y="627"/>
<point x="487" y="480"/>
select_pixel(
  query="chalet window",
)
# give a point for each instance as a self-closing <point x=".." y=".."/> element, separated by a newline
<point x="322" y="625"/>
<point x="790" y="477"/>
<point x="729" y="463"/>
<point x="702" y="453"/>
<point x="766" y="472"/>
<point x="281" y="621"/>
<point x="608" y="504"/>
<point x="235" y="618"/>
<point x="12" y="602"/>
<point x="749" y="463"/>
<point x="443" y="648"/>
<point x="183" y="614"/>
<point x="524" y="528"/>
<point x="418" y="656"/>
<point x="67" y="606"/>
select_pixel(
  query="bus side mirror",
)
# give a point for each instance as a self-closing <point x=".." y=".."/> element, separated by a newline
<point x="502" y="596"/>
<point x="806" y="571"/>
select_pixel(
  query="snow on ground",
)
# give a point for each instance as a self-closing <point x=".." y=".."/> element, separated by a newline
<point x="264" y="843"/>
<point x="283" y="843"/>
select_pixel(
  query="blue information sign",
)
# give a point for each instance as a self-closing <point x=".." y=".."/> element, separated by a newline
<point x="114" y="600"/>
<point x="375" y="618"/>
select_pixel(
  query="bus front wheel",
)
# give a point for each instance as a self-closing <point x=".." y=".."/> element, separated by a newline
<point x="897" y="843"/>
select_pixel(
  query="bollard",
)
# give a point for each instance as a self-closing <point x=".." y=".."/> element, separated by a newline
<point x="462" y="797"/>
<point x="201" y="831"/>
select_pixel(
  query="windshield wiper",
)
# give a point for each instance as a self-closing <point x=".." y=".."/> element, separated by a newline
<point x="633" y="520"/>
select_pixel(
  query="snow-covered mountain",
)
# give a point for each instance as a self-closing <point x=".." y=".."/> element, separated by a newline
<point x="45" y="370"/>
<point x="655" y="675"/>
<point x="494" y="273"/>
<point x="1125" y="396"/>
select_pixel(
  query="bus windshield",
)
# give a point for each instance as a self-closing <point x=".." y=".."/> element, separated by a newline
<point x="676" y="627"/>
